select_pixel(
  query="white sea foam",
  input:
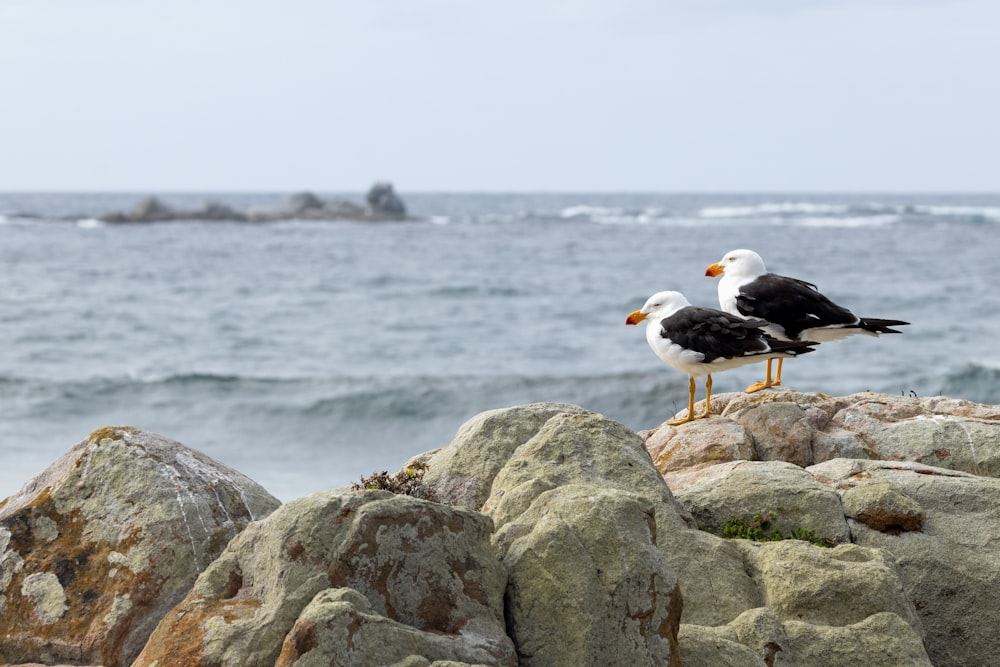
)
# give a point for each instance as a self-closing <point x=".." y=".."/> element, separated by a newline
<point x="771" y="209"/>
<point x="603" y="215"/>
<point x="90" y="223"/>
<point x="991" y="212"/>
<point x="585" y="211"/>
<point x="854" y="221"/>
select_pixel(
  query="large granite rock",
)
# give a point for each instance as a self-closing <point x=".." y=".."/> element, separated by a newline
<point x="360" y="578"/>
<point x="569" y="540"/>
<point x="943" y="529"/>
<point x="98" y="547"/>
<point x="908" y="477"/>
<point x="578" y="509"/>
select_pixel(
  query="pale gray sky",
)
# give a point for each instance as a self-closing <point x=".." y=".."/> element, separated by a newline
<point x="452" y="95"/>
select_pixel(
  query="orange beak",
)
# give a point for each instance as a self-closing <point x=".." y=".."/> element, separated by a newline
<point x="715" y="271"/>
<point x="635" y="317"/>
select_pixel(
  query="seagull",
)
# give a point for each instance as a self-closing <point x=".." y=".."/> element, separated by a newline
<point x="700" y="341"/>
<point x="794" y="310"/>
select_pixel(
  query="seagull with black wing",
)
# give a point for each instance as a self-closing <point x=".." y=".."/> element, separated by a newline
<point x="701" y="341"/>
<point x="793" y="309"/>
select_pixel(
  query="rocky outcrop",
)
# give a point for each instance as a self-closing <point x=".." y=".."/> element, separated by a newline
<point x="383" y="200"/>
<point x="805" y="429"/>
<point x="860" y="475"/>
<point x="98" y="547"/>
<point x="579" y="512"/>
<point x="559" y="537"/>
<point x="383" y="204"/>
<point x="368" y="578"/>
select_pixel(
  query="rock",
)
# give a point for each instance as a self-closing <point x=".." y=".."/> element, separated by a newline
<point x="948" y="565"/>
<point x="943" y="433"/>
<point x="574" y="447"/>
<point x="339" y="627"/>
<point x="839" y="586"/>
<point x="594" y="550"/>
<point x="462" y="473"/>
<point x="706" y="647"/>
<point x="806" y="429"/>
<point x="780" y="430"/>
<point x="339" y="209"/>
<point x="566" y="546"/>
<point x="301" y="202"/>
<point x="714" y="581"/>
<point x="699" y="443"/>
<point x="716" y="494"/>
<point x="151" y="209"/>
<point x="215" y="211"/>
<point x="882" y="508"/>
<point x="383" y="201"/>
<point x="819" y="601"/>
<point x="881" y="640"/>
<point x="321" y="573"/>
<point x="98" y="547"/>
<point x="579" y="511"/>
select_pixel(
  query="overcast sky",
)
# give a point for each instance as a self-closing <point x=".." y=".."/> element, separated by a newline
<point x="460" y="95"/>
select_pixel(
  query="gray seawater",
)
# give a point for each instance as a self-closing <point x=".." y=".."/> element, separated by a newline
<point x="307" y="354"/>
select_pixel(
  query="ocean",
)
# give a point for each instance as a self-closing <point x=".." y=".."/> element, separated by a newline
<point x="306" y="354"/>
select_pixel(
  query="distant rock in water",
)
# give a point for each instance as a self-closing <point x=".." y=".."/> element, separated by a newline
<point x="383" y="204"/>
<point x="383" y="200"/>
<point x="301" y="202"/>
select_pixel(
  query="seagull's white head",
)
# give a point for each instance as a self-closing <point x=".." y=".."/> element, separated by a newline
<point x="738" y="264"/>
<point x="658" y="306"/>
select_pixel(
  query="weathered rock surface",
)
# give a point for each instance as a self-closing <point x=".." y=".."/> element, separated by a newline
<point x="566" y="539"/>
<point x="911" y="478"/>
<point x="345" y="578"/>
<point x="720" y="492"/>
<point x="98" y="547"/>
<point x="578" y="510"/>
<point x="949" y="564"/>
<point x="806" y="429"/>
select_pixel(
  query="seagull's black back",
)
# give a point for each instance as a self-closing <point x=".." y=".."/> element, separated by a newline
<point x="792" y="304"/>
<point x="717" y="334"/>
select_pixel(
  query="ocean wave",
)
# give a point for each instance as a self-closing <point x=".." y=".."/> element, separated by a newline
<point x="773" y="209"/>
<point x="979" y="381"/>
<point x="635" y="399"/>
<point x="984" y="213"/>
<point x="852" y="221"/>
<point x="804" y="214"/>
<point x="610" y="215"/>
<point x="90" y="223"/>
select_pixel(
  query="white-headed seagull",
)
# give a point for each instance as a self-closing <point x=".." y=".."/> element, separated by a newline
<point x="701" y="341"/>
<point x="793" y="309"/>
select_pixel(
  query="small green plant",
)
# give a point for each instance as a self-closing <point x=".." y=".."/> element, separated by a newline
<point x="406" y="482"/>
<point x="761" y="528"/>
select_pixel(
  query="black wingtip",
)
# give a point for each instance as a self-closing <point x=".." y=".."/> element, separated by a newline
<point x="881" y="326"/>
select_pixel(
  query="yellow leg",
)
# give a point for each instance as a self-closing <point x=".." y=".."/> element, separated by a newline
<point x="757" y="386"/>
<point x="708" y="398"/>
<point x="689" y="417"/>
<point x="777" y="380"/>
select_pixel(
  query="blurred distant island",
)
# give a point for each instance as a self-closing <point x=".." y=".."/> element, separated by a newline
<point x="381" y="204"/>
